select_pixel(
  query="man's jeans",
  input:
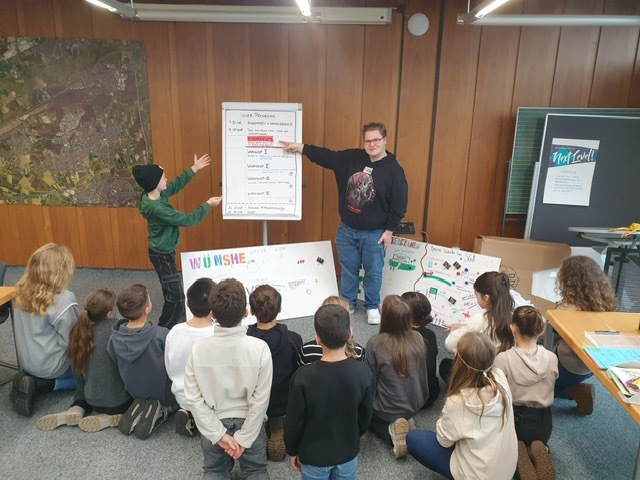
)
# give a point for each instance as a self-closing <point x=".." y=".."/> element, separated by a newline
<point x="355" y="248"/>
<point x="171" y="281"/>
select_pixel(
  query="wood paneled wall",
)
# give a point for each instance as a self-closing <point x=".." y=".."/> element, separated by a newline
<point x="449" y="100"/>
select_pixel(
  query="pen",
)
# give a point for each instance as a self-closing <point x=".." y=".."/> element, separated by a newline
<point x="607" y="332"/>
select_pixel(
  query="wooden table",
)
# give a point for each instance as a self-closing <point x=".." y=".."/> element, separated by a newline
<point x="571" y="326"/>
<point x="6" y="295"/>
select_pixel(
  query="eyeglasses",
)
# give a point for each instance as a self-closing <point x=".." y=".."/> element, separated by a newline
<point x="373" y="141"/>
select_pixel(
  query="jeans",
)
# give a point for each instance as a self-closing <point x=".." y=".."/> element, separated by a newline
<point x="355" y="248"/>
<point x="171" y="281"/>
<point x="253" y="461"/>
<point x="344" y="471"/>
<point x="424" y="447"/>
<point x="566" y="379"/>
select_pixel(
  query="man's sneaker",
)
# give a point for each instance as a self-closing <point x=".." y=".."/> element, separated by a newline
<point x="275" y="443"/>
<point x="69" y="417"/>
<point x="23" y="392"/>
<point x="352" y="310"/>
<point x="398" y="433"/>
<point x="584" y="394"/>
<point x="95" y="423"/>
<point x="542" y="461"/>
<point x="132" y="416"/>
<point x="184" y="423"/>
<point x="524" y="468"/>
<point x="154" y="414"/>
<point x="373" y="316"/>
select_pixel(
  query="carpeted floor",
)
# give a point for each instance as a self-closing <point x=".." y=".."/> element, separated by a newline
<point x="600" y="446"/>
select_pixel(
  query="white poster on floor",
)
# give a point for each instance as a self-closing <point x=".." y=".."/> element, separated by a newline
<point x="444" y="275"/>
<point x="303" y="273"/>
<point x="572" y="163"/>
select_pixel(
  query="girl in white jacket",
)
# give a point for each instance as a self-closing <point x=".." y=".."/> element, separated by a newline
<point x="475" y="436"/>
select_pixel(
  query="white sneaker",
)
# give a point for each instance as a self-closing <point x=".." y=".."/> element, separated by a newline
<point x="373" y="316"/>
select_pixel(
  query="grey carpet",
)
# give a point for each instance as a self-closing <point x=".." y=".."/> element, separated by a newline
<point x="600" y="446"/>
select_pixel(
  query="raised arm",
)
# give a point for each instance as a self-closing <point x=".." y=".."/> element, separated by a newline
<point x="292" y="147"/>
<point x="200" y="163"/>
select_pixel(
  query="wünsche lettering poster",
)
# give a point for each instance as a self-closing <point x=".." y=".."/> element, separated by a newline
<point x="260" y="180"/>
<point x="572" y="163"/>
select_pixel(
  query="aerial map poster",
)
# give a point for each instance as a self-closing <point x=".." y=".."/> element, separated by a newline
<point x="74" y="119"/>
<point x="445" y="275"/>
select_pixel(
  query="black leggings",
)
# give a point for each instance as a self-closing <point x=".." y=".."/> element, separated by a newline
<point x="532" y="423"/>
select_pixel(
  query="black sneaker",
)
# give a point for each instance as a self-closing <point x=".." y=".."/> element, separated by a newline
<point x="23" y="392"/>
<point x="185" y="425"/>
<point x="132" y="416"/>
<point x="154" y="414"/>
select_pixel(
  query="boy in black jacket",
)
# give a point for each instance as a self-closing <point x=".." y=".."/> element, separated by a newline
<point x="330" y="403"/>
<point x="265" y="302"/>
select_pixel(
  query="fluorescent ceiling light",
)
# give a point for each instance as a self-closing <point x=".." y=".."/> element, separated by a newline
<point x="115" y="7"/>
<point x="552" y="20"/>
<point x="305" y="8"/>
<point x="489" y="8"/>
<point x="247" y="14"/>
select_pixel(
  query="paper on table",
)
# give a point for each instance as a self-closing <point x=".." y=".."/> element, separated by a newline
<point x="613" y="339"/>
<point x="607" y="357"/>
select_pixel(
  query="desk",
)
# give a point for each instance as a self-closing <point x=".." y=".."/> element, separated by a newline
<point x="571" y="326"/>
<point x="6" y="295"/>
<point x="615" y="243"/>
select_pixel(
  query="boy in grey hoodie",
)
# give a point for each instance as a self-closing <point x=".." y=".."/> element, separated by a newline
<point x="137" y="347"/>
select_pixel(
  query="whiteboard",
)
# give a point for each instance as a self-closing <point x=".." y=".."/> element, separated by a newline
<point x="445" y="275"/>
<point x="259" y="180"/>
<point x="303" y="273"/>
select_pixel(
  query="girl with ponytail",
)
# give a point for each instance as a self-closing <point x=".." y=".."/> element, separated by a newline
<point x="100" y="387"/>
<point x="492" y="294"/>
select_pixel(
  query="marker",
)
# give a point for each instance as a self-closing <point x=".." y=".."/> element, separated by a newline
<point x="607" y="332"/>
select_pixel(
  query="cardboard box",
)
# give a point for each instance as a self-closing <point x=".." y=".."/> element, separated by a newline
<point x="521" y="258"/>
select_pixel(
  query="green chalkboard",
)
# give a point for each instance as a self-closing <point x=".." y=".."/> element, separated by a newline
<point x="526" y="149"/>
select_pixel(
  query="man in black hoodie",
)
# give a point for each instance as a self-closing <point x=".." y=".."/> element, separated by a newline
<point x="372" y="191"/>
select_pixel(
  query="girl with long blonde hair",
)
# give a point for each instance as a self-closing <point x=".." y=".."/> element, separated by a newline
<point x="475" y="435"/>
<point x="44" y="314"/>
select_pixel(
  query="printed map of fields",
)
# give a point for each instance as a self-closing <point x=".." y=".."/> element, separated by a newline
<point x="74" y="119"/>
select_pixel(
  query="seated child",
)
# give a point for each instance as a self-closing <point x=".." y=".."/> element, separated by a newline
<point x="583" y="286"/>
<point x="531" y="371"/>
<point x="494" y="297"/>
<point x="99" y="381"/>
<point x="44" y="314"/>
<point x="227" y="383"/>
<point x="265" y="302"/>
<point x="420" y="318"/>
<point x="330" y="404"/>
<point x="475" y="435"/>
<point x="311" y="351"/>
<point x="137" y="347"/>
<point x="178" y="346"/>
<point x="397" y="358"/>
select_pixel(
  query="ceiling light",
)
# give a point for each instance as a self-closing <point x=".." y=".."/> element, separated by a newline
<point x="114" y="7"/>
<point x="305" y="8"/>
<point x="489" y="8"/>
<point x="552" y="20"/>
